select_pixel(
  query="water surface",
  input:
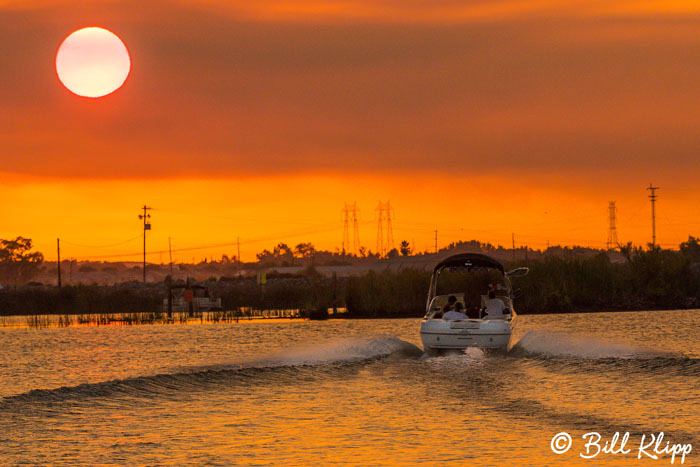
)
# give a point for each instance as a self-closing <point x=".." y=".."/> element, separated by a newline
<point x="350" y="392"/>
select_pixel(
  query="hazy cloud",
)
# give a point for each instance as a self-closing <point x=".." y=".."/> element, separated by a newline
<point x="215" y="92"/>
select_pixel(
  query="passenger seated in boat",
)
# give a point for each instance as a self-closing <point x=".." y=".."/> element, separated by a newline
<point x="471" y="307"/>
<point x="494" y="307"/>
<point x="456" y="314"/>
<point x="451" y="300"/>
<point x="450" y="305"/>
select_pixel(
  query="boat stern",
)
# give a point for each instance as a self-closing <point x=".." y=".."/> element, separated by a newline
<point x="439" y="336"/>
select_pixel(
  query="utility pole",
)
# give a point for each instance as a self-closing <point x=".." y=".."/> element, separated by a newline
<point x="238" y="256"/>
<point x="512" y="236"/>
<point x="653" y="197"/>
<point x="170" y="253"/>
<point x="436" y="249"/>
<point x="146" y="226"/>
<point x="58" y="262"/>
<point x="612" y="227"/>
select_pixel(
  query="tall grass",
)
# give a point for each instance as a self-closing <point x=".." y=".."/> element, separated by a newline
<point x="654" y="279"/>
<point x="384" y="294"/>
<point x="649" y="279"/>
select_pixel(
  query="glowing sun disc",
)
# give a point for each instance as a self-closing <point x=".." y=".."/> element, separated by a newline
<point x="92" y="62"/>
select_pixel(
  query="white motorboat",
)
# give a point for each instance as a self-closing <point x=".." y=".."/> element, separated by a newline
<point x="476" y="298"/>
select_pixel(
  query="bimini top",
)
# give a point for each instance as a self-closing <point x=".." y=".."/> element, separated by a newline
<point x="469" y="260"/>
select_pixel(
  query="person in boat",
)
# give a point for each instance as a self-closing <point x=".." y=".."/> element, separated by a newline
<point x="456" y="314"/>
<point x="450" y="305"/>
<point x="472" y="307"/>
<point x="451" y="300"/>
<point x="494" y="307"/>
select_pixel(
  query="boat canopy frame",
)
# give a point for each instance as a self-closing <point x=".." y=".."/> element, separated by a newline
<point x="469" y="261"/>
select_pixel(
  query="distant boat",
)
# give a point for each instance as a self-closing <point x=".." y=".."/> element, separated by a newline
<point x="319" y="314"/>
<point x="488" y="319"/>
<point x="188" y="298"/>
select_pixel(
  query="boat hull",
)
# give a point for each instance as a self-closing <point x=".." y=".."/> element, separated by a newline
<point x="439" y="336"/>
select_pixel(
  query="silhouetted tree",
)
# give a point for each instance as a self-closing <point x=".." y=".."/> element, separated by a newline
<point x="405" y="248"/>
<point x="18" y="264"/>
<point x="304" y="250"/>
<point x="284" y="253"/>
<point x="691" y="249"/>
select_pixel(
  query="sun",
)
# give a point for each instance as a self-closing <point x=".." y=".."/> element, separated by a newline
<point x="92" y="62"/>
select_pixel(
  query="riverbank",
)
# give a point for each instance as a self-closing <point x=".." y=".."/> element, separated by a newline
<point x="647" y="280"/>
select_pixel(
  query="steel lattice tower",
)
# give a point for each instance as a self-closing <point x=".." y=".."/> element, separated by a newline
<point x="384" y="215"/>
<point x="389" y="231"/>
<point x="348" y="211"/>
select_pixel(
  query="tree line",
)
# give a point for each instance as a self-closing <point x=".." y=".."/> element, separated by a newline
<point x="634" y="278"/>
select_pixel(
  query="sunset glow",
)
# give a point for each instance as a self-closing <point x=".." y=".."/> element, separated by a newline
<point x="365" y="232"/>
<point x="468" y="120"/>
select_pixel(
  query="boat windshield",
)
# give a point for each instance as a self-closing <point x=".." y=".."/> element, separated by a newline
<point x="470" y="288"/>
<point x="476" y="281"/>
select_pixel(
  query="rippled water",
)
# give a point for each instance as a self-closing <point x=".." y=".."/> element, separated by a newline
<point x="345" y="392"/>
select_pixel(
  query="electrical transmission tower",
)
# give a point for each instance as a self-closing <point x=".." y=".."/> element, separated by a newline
<point x="350" y="211"/>
<point x="389" y="231"/>
<point x="612" y="228"/>
<point x="146" y="226"/>
<point x="384" y="216"/>
<point x="653" y="197"/>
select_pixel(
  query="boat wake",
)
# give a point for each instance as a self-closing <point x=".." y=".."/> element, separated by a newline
<point x="587" y="353"/>
<point x="344" y="351"/>
<point x="329" y="355"/>
<point x="552" y="344"/>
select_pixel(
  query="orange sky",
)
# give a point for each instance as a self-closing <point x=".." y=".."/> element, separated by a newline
<point x="260" y="119"/>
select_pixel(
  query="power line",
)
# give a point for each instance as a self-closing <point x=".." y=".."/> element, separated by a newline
<point x="221" y="245"/>
<point x="240" y="219"/>
<point x="103" y="246"/>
